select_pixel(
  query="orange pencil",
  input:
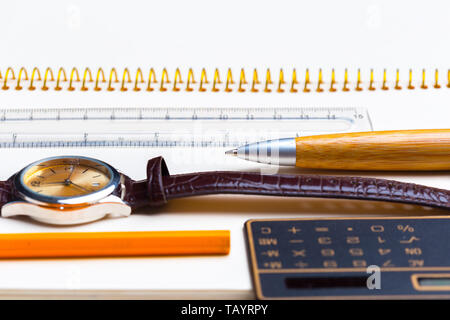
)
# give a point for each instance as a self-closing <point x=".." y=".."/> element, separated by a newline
<point x="98" y="244"/>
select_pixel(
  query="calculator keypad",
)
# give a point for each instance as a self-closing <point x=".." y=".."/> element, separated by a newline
<point x="399" y="249"/>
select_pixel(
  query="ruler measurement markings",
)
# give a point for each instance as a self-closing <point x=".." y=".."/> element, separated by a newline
<point x="111" y="116"/>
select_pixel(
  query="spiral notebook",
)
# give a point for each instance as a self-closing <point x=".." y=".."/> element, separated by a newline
<point x="366" y="59"/>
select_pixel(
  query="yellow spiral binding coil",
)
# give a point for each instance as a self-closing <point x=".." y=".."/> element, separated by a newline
<point x="249" y="81"/>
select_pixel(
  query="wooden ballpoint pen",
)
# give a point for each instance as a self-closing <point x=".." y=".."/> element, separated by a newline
<point x="422" y="150"/>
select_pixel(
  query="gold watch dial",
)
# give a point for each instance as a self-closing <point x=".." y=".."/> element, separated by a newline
<point x="66" y="178"/>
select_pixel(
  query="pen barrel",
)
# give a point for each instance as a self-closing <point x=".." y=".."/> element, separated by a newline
<point x="98" y="244"/>
<point x="422" y="150"/>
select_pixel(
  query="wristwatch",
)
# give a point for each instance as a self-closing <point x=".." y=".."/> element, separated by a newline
<point x="74" y="189"/>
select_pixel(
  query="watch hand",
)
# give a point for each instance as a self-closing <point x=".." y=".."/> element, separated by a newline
<point x="56" y="182"/>
<point x="71" y="172"/>
<point x="80" y="187"/>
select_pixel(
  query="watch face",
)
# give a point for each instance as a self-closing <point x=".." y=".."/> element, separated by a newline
<point x="69" y="180"/>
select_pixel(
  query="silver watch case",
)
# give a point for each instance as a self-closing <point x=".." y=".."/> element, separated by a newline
<point x="67" y="210"/>
<point x="29" y="195"/>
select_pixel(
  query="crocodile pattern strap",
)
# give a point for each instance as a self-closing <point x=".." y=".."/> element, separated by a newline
<point x="160" y="187"/>
<point x="6" y="192"/>
<point x="146" y="192"/>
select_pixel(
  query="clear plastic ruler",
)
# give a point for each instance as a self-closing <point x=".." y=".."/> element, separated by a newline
<point x="170" y="127"/>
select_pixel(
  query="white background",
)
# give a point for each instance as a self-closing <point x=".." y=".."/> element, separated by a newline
<point x="225" y="34"/>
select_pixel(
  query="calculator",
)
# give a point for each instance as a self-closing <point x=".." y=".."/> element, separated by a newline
<point x="350" y="258"/>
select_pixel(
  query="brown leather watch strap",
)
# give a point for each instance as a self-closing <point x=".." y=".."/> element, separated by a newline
<point x="160" y="187"/>
<point x="6" y="192"/>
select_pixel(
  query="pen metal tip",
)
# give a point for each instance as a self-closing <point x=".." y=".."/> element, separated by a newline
<point x="232" y="152"/>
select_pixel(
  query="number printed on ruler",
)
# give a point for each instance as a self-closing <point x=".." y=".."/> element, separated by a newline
<point x="170" y="127"/>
